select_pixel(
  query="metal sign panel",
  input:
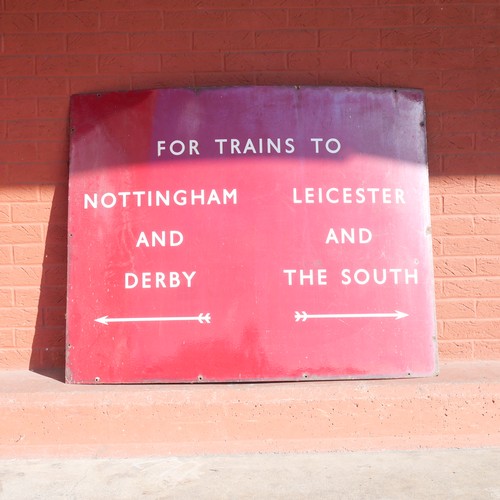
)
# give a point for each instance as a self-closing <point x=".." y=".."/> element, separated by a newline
<point x="246" y="234"/>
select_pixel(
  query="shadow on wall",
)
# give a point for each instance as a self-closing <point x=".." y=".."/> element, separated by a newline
<point x="48" y="348"/>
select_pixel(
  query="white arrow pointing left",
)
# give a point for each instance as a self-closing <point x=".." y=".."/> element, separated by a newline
<point x="201" y="318"/>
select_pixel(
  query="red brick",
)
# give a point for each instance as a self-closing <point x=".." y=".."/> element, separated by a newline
<point x="487" y="14"/>
<point x="53" y="107"/>
<point x="167" y="41"/>
<point x="442" y="15"/>
<point x="378" y="17"/>
<point x="54" y="275"/>
<point x="484" y="287"/>
<point x="255" y="61"/>
<point x="488" y="308"/>
<point x="450" y="143"/>
<point x="99" y="5"/>
<point x="17" y="23"/>
<point x="473" y="37"/>
<point x="18" y="152"/>
<point x="319" y="18"/>
<point x="437" y="245"/>
<point x="99" y="83"/>
<point x="444" y="184"/>
<point x="286" y="39"/>
<point x="488" y="266"/>
<point x="287" y="78"/>
<point x="488" y="57"/>
<point x="57" y="233"/>
<point x="6" y="254"/>
<point x="55" y="153"/>
<point x="54" y="316"/>
<point x="195" y="19"/>
<point x="487" y="349"/>
<point x="5" y="213"/>
<point x="457" y="100"/>
<point x="40" y="43"/>
<point x="29" y="254"/>
<point x="20" y="233"/>
<point x="477" y="245"/>
<point x="488" y="141"/>
<point x="37" y="129"/>
<point x="347" y="77"/>
<point x="15" y="359"/>
<point x="455" y="309"/>
<point x="40" y="86"/>
<point x="487" y="224"/>
<point x="445" y="225"/>
<point x="466" y="204"/>
<point x="459" y="79"/>
<point x="48" y="358"/>
<point x="46" y="296"/>
<point x="97" y="43"/>
<point x="471" y="329"/>
<point x="131" y="21"/>
<point x="314" y="60"/>
<point x="30" y="212"/>
<point x="6" y="337"/>
<point x="161" y="80"/>
<point x="439" y="58"/>
<point x="68" y="22"/>
<point x="35" y="5"/>
<point x="17" y="317"/>
<point x="354" y="38"/>
<point x="6" y="298"/>
<point x="256" y="19"/>
<point x="470" y="164"/>
<point x="27" y="296"/>
<point x="190" y="61"/>
<point x="288" y="3"/>
<point x="401" y="38"/>
<point x="48" y="193"/>
<point x="454" y="266"/>
<point x="455" y="350"/>
<point x="23" y="337"/>
<point x="17" y="66"/>
<point x="19" y="193"/>
<point x="471" y="122"/>
<point x="129" y="63"/>
<point x="428" y="79"/>
<point x="224" y="79"/>
<point x="438" y="289"/>
<point x="66" y="65"/>
<point x="386" y="60"/>
<point x="352" y="3"/>
<point x="223" y="40"/>
<point x="436" y="204"/>
<point x="45" y="336"/>
<point x="488" y="183"/>
<point x="55" y="254"/>
<point x="39" y="173"/>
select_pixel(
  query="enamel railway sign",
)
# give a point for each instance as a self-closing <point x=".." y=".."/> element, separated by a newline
<point x="249" y="234"/>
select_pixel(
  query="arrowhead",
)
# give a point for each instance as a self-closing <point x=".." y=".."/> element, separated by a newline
<point x="300" y="316"/>
<point x="103" y="320"/>
<point x="400" y="314"/>
<point x="204" y="317"/>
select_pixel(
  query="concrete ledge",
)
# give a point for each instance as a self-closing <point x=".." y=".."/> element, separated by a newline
<point x="41" y="416"/>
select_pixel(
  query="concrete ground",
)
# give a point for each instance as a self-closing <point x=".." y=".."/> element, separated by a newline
<point x="425" y="474"/>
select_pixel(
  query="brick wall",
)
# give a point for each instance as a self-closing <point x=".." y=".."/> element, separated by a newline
<point x="53" y="48"/>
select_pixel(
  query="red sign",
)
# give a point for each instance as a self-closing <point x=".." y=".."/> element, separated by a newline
<point x="245" y="234"/>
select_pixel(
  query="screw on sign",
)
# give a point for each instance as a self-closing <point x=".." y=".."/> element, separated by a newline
<point x="249" y="234"/>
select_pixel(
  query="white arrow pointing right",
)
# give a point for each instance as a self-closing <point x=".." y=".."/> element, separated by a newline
<point x="302" y="315"/>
